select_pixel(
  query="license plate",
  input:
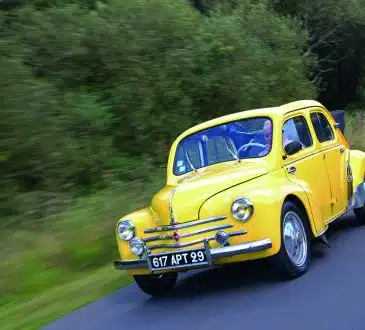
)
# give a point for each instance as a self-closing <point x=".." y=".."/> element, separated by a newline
<point x="180" y="259"/>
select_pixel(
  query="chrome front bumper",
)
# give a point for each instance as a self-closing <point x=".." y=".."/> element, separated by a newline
<point x="215" y="253"/>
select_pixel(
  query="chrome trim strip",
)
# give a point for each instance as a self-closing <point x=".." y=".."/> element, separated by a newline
<point x="156" y="238"/>
<point x="184" y="225"/>
<point x="241" y="248"/>
<point x="233" y="233"/>
<point x="171" y="211"/>
<point x="177" y="246"/>
<point x="215" y="253"/>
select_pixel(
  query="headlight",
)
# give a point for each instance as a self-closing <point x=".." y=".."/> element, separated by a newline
<point x="242" y="209"/>
<point x="126" y="230"/>
<point x="137" y="246"/>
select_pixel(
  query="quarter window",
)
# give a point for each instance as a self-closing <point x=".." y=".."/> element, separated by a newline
<point x="322" y="127"/>
<point x="296" y="129"/>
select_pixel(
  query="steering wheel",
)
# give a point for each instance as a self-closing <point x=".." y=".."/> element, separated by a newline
<point x="250" y="144"/>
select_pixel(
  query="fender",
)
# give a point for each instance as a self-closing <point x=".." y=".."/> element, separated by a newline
<point x="142" y="219"/>
<point x="268" y="194"/>
<point x="357" y="165"/>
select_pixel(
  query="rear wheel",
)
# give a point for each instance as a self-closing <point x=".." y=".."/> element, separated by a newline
<point x="294" y="256"/>
<point x="360" y="214"/>
<point x="156" y="285"/>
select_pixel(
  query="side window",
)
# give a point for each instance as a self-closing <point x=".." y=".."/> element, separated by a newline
<point x="218" y="150"/>
<point x="296" y="129"/>
<point x="322" y="127"/>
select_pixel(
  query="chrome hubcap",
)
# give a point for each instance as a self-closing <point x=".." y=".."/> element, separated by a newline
<point x="295" y="240"/>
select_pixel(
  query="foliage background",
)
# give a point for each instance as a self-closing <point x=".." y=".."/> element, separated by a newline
<point x="92" y="94"/>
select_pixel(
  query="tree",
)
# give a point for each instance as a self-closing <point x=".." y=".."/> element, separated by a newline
<point x="335" y="38"/>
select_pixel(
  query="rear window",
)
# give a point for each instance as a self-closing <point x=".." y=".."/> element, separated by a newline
<point x="322" y="127"/>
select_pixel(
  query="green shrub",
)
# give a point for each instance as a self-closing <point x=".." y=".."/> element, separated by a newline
<point x="92" y="94"/>
<point x="108" y="90"/>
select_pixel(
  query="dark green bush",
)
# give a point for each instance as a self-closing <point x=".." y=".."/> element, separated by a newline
<point x="97" y="91"/>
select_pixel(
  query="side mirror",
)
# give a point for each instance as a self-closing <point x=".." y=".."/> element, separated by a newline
<point x="292" y="147"/>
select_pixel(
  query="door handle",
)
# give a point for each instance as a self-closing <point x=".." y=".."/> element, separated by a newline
<point x="292" y="170"/>
<point x="342" y="150"/>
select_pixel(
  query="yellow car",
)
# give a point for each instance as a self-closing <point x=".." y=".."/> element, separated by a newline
<point x="255" y="184"/>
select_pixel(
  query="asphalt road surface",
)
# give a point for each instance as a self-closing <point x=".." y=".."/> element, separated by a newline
<point x="330" y="296"/>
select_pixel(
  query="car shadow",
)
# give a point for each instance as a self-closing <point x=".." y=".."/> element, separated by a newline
<point x="249" y="275"/>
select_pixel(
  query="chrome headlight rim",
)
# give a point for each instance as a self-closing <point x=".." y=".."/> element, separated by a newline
<point x="242" y="202"/>
<point x="126" y="230"/>
<point x="137" y="246"/>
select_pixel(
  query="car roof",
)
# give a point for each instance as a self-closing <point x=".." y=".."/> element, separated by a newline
<point x="278" y="111"/>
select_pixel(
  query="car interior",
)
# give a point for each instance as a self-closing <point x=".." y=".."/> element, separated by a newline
<point x="218" y="144"/>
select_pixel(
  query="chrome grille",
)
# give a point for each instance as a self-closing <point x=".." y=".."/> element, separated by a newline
<point x="189" y="224"/>
<point x="202" y="231"/>
<point x="181" y="245"/>
<point x="184" y="225"/>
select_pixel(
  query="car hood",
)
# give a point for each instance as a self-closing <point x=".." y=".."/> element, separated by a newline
<point x="186" y="198"/>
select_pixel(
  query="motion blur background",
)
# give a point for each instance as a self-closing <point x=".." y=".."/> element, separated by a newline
<point x="92" y="94"/>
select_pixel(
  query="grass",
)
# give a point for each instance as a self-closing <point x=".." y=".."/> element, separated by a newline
<point x="355" y="130"/>
<point x="60" y="299"/>
<point x="64" y="261"/>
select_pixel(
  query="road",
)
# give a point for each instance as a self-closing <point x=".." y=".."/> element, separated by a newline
<point x="330" y="296"/>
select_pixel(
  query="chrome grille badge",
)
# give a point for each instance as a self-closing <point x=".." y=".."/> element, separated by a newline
<point x="172" y="218"/>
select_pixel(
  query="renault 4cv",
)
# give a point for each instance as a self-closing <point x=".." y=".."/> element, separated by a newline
<point x="249" y="185"/>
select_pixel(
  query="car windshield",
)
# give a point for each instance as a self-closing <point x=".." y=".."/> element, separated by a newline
<point x="247" y="138"/>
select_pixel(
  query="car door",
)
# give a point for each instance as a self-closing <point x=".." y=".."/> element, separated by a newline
<point x="307" y="167"/>
<point x="335" y="160"/>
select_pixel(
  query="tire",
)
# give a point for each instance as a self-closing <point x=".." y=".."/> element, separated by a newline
<point x="360" y="215"/>
<point x="289" y="264"/>
<point x="156" y="285"/>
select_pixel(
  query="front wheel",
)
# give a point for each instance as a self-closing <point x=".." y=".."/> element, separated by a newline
<point x="294" y="256"/>
<point x="156" y="285"/>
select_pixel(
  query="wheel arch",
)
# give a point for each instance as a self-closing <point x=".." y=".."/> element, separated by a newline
<point x="357" y="163"/>
<point x="300" y="204"/>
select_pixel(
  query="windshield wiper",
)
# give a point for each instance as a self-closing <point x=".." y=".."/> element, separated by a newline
<point x="231" y="152"/>
<point x="188" y="158"/>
